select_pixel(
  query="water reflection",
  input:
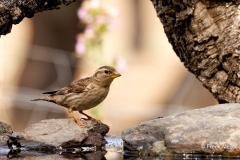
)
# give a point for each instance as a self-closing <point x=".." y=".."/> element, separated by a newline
<point x="25" y="154"/>
<point x="114" y="147"/>
<point x="28" y="150"/>
<point x="112" y="154"/>
<point x="112" y="151"/>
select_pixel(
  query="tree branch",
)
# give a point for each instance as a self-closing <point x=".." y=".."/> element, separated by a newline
<point x="205" y="36"/>
<point x="13" y="11"/>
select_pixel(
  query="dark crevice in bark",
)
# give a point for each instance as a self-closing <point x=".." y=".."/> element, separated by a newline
<point x="220" y="67"/>
<point x="222" y="101"/>
<point x="226" y="56"/>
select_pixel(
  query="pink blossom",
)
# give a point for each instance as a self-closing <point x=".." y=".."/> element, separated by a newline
<point x="82" y="14"/>
<point x="101" y="19"/>
<point x="95" y="3"/>
<point x="113" y="12"/>
<point x="89" y="31"/>
<point x="120" y="64"/>
<point x="80" y="46"/>
<point x="114" y="23"/>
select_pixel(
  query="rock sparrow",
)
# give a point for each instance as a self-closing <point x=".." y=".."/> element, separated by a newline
<point x="85" y="93"/>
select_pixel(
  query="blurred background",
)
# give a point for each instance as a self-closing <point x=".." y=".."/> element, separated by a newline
<point x="39" y="55"/>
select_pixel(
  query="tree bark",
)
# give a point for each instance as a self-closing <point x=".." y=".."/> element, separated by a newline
<point x="205" y="36"/>
<point x="13" y="11"/>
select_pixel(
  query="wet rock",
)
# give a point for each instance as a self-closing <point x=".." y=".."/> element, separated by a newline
<point x="63" y="133"/>
<point x="209" y="130"/>
<point x="5" y="132"/>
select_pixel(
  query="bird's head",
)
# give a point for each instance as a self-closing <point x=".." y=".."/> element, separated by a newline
<point x="105" y="75"/>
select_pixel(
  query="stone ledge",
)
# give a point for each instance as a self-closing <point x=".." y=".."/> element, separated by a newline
<point x="65" y="133"/>
<point x="214" y="129"/>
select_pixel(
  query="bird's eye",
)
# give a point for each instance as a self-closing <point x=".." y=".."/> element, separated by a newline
<point x="106" y="71"/>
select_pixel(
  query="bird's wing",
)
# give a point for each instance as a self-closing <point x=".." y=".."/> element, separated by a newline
<point x="77" y="86"/>
<point x="51" y="92"/>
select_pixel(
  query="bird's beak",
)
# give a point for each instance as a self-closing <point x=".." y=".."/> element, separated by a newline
<point x="115" y="75"/>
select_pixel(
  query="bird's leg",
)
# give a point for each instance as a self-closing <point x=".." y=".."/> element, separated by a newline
<point x="76" y="119"/>
<point x="89" y="117"/>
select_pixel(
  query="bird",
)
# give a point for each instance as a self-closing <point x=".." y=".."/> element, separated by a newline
<point x="83" y="94"/>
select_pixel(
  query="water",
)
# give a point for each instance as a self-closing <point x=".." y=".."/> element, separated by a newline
<point x="114" y="147"/>
<point x="112" y="151"/>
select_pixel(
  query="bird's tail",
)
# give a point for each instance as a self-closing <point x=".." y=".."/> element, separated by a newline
<point x="48" y="98"/>
<point x="40" y="99"/>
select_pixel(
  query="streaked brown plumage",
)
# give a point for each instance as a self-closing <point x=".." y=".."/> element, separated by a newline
<point x="85" y="93"/>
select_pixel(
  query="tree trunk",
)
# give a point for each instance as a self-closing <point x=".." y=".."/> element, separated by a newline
<point x="13" y="11"/>
<point x="205" y="35"/>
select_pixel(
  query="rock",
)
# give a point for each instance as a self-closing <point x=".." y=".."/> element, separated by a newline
<point x="63" y="133"/>
<point x="5" y="132"/>
<point x="214" y="129"/>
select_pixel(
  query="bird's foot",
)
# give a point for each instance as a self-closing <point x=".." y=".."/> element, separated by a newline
<point x="89" y="117"/>
<point x="81" y="123"/>
<point x="78" y="120"/>
<point x="92" y="119"/>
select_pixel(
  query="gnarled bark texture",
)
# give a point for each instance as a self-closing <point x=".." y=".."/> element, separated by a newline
<point x="205" y="35"/>
<point x="13" y="11"/>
